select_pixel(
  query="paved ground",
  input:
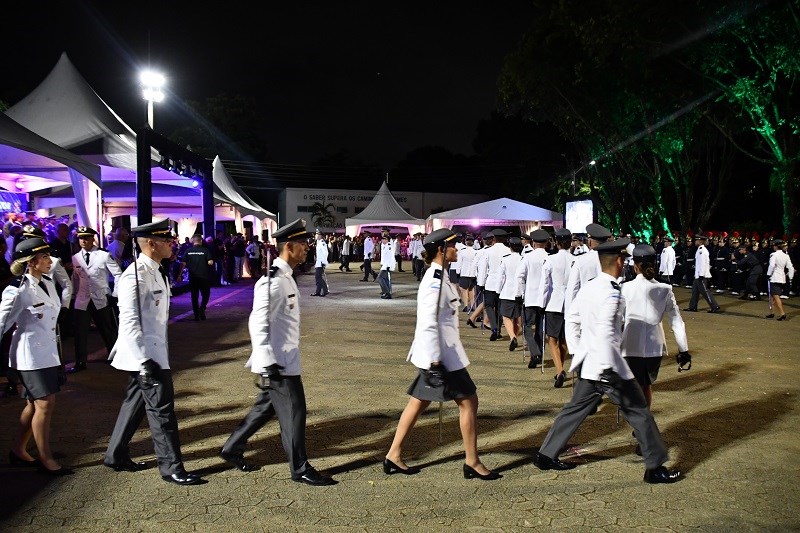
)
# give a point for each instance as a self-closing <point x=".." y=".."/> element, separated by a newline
<point x="731" y="424"/>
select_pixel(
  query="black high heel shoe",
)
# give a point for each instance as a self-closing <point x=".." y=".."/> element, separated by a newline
<point x="14" y="459"/>
<point x="390" y="468"/>
<point x="470" y="323"/>
<point x="470" y="473"/>
<point x="62" y="471"/>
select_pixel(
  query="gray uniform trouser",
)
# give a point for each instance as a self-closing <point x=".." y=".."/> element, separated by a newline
<point x="700" y="287"/>
<point x="322" y="283"/>
<point x="490" y="301"/>
<point x="628" y="396"/>
<point x="385" y="281"/>
<point x="287" y="399"/>
<point x="158" y="404"/>
<point x="532" y="330"/>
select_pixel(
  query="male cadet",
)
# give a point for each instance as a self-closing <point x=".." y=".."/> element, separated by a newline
<point x="319" y="265"/>
<point x="482" y="262"/>
<point x="198" y="260"/>
<point x="347" y="249"/>
<point x="415" y="250"/>
<point x="387" y="266"/>
<point x="369" y="253"/>
<point x="275" y="336"/>
<point x="398" y="257"/>
<point x="142" y="351"/>
<point x="529" y="274"/>
<point x="666" y="264"/>
<point x="92" y="267"/>
<point x="780" y="268"/>
<point x="702" y="273"/>
<point x="492" y="291"/>
<point x="586" y="266"/>
<point x="594" y="327"/>
<point x="750" y="264"/>
<point x="527" y="246"/>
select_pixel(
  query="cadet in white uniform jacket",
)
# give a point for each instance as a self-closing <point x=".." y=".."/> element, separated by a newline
<point x="441" y="361"/>
<point x="666" y="266"/>
<point x="779" y="265"/>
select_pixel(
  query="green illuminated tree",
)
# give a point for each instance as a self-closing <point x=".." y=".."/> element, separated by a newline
<point x="754" y="60"/>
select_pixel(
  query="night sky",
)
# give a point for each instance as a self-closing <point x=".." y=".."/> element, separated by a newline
<point x="372" y="78"/>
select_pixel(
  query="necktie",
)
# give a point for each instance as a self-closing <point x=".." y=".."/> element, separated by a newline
<point x="163" y="275"/>
<point x="86" y="256"/>
<point x="44" y="287"/>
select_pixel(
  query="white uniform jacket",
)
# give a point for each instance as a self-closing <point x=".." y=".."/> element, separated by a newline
<point x="646" y="304"/>
<point x="555" y="272"/>
<point x="456" y="265"/>
<point x="437" y="338"/>
<point x="493" y="256"/>
<point x="59" y="275"/>
<point x="529" y="274"/>
<point x="275" y="338"/>
<point x="779" y="262"/>
<point x="415" y="248"/>
<point x="666" y="265"/>
<point x="388" y="262"/>
<point x="321" y="254"/>
<point x="593" y="327"/>
<point x="466" y="257"/>
<point x="395" y="246"/>
<point x="143" y="316"/>
<point x="482" y="260"/>
<point x="702" y="263"/>
<point x="584" y="268"/>
<point x="369" y="248"/>
<point x="510" y="287"/>
<point x="33" y="343"/>
<point x="346" y="247"/>
<point x="90" y="281"/>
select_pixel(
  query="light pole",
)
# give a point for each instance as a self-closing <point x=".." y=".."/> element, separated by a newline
<point x="575" y="172"/>
<point x="152" y="82"/>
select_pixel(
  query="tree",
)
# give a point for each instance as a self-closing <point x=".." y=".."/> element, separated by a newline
<point x="321" y="215"/>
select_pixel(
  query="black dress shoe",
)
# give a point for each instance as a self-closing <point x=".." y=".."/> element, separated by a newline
<point x="239" y="462"/>
<point x="781" y="318"/>
<point x="771" y="315"/>
<point x="661" y="475"/>
<point x="183" y="478"/>
<point x="128" y="465"/>
<point x="312" y="477"/>
<point x="559" y="380"/>
<point x="690" y="310"/>
<point x="715" y="310"/>
<point x="534" y="362"/>
<point x="314" y="294"/>
<point x="471" y="473"/>
<point x="512" y="345"/>
<point x="390" y="468"/>
<point x="470" y="323"/>
<point x="494" y="336"/>
<point x="77" y="367"/>
<point x="62" y="471"/>
<point x="545" y="463"/>
<point x="16" y="460"/>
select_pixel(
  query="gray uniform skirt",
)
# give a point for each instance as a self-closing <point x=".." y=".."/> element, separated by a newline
<point x="457" y="384"/>
<point x="510" y="309"/>
<point x="37" y="384"/>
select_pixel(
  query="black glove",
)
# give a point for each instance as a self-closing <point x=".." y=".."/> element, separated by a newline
<point x="62" y="376"/>
<point x="610" y="378"/>
<point x="272" y="372"/>
<point x="434" y="377"/>
<point x="684" y="360"/>
<point x="148" y="374"/>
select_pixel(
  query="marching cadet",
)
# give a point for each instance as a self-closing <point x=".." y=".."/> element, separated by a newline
<point x="529" y="275"/>
<point x="555" y="273"/>
<point x="142" y="350"/>
<point x="441" y="363"/>
<point x="482" y="269"/>
<point x="415" y="250"/>
<point x="780" y="268"/>
<point x="92" y="267"/>
<point x="320" y="263"/>
<point x="388" y="265"/>
<point x="585" y="266"/>
<point x="510" y="294"/>
<point x="369" y="254"/>
<point x="594" y="327"/>
<point x="468" y="273"/>
<point x="702" y="273"/>
<point x="274" y="326"/>
<point x="666" y="265"/>
<point x="527" y="246"/>
<point x="492" y="292"/>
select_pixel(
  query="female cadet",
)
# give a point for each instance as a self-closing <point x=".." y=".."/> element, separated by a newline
<point x="647" y="301"/>
<point x="441" y="361"/>
<point x="33" y="304"/>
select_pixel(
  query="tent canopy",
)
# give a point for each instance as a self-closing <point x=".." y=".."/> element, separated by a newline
<point x="383" y="210"/>
<point x="500" y="212"/>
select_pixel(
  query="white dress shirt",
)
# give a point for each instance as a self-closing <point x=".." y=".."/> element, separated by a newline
<point x="143" y="316"/>
<point x="593" y="327"/>
<point x="646" y="304"/>
<point x="275" y="338"/>
<point x="436" y="337"/>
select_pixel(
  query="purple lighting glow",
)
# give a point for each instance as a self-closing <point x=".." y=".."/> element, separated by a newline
<point x="475" y="223"/>
<point x="195" y="183"/>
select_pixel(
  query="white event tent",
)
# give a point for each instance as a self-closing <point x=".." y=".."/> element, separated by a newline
<point x="65" y="110"/>
<point x="500" y="212"/>
<point x="383" y="210"/>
